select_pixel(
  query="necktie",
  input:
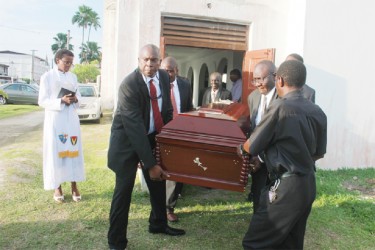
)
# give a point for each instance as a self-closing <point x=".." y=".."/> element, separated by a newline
<point x="158" y="121"/>
<point x="175" y="110"/>
<point x="264" y="106"/>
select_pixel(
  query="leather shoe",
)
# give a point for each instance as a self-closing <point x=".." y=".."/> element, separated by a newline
<point x="166" y="230"/>
<point x="172" y="217"/>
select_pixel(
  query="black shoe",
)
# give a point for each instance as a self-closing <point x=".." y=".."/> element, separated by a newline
<point x="166" y="230"/>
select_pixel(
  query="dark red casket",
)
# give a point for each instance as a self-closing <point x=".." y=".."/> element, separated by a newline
<point x="200" y="147"/>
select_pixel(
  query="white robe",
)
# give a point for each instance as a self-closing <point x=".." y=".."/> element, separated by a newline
<point x="62" y="144"/>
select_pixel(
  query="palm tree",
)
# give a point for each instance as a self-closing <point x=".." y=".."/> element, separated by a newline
<point x="60" y="42"/>
<point x="82" y="18"/>
<point x="90" y="52"/>
<point x="93" y="22"/>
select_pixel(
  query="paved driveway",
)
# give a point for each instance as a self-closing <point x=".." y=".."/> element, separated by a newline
<point x="14" y="127"/>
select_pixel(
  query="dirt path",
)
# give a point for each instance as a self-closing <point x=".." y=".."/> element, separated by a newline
<point x="16" y="127"/>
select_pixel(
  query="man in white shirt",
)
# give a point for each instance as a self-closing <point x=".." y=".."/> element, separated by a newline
<point x="258" y="101"/>
<point x="181" y="98"/>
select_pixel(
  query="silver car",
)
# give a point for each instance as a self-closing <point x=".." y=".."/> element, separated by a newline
<point x="90" y="107"/>
<point x="19" y="93"/>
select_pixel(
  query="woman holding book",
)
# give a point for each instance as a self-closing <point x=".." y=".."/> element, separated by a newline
<point x="62" y="144"/>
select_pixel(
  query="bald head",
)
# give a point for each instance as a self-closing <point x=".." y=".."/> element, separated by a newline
<point x="169" y="64"/>
<point x="149" y="60"/>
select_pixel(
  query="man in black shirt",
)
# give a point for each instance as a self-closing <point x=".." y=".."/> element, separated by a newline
<point x="290" y="138"/>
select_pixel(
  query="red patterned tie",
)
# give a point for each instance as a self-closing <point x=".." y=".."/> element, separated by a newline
<point x="158" y="121"/>
<point x="175" y="110"/>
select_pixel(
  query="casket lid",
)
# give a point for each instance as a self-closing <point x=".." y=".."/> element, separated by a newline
<point x="224" y="120"/>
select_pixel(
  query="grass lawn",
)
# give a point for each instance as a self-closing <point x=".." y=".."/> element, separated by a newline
<point x="10" y="110"/>
<point x="342" y="216"/>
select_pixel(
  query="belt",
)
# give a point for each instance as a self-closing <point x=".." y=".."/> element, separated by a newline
<point x="274" y="176"/>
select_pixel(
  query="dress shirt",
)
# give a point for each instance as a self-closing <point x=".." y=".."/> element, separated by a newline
<point x="176" y="93"/>
<point x="213" y="94"/>
<point x="147" y="80"/>
<point x="236" y="90"/>
<point x="259" y="113"/>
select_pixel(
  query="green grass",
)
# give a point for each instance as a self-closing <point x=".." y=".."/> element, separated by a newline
<point x="342" y="216"/>
<point x="10" y="110"/>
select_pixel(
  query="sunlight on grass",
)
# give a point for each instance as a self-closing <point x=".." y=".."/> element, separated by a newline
<point x="213" y="219"/>
<point x="11" y="110"/>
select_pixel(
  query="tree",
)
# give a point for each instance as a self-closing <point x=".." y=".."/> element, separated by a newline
<point x="82" y="18"/>
<point x="90" y="52"/>
<point x="86" y="72"/>
<point x="60" y="42"/>
<point x="93" y="22"/>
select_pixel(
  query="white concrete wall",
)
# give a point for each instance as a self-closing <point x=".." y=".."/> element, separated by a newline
<point x="138" y="23"/>
<point x="339" y="53"/>
<point x="108" y="80"/>
<point x="334" y="37"/>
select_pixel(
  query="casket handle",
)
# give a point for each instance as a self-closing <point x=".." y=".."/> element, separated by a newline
<point x="197" y="161"/>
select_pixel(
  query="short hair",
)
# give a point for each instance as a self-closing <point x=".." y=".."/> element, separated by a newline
<point x="61" y="53"/>
<point x="216" y="74"/>
<point x="296" y="57"/>
<point x="171" y="61"/>
<point x="293" y="72"/>
<point x="269" y="64"/>
<point x="154" y="48"/>
<point x="236" y="72"/>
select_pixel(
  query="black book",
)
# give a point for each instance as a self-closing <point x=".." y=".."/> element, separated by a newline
<point x="64" y="92"/>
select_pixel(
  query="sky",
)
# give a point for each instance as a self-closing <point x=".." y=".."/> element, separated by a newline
<point x="27" y="25"/>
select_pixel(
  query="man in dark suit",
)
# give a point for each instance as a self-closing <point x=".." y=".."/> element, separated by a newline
<point x="216" y="92"/>
<point x="307" y="91"/>
<point x="258" y="101"/>
<point x="144" y="105"/>
<point x="290" y="138"/>
<point x="182" y="102"/>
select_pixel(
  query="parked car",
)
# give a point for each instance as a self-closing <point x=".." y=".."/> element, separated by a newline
<point x="90" y="107"/>
<point x="19" y="93"/>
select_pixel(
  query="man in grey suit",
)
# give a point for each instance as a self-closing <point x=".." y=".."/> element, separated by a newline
<point x="143" y="101"/>
<point x="181" y="97"/>
<point x="307" y="91"/>
<point x="216" y="92"/>
<point x="259" y="100"/>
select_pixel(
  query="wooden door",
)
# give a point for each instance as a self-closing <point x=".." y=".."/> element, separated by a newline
<point x="251" y="58"/>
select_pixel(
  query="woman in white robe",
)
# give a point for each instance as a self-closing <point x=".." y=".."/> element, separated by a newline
<point x="62" y="144"/>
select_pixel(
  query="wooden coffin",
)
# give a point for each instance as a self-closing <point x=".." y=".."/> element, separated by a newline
<point x="200" y="147"/>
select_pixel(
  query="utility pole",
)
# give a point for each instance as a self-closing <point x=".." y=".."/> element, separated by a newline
<point x="32" y="65"/>
<point x="67" y="39"/>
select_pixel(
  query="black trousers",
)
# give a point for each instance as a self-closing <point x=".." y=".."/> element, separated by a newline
<point x="174" y="193"/>
<point x="119" y="213"/>
<point x="259" y="180"/>
<point x="282" y="224"/>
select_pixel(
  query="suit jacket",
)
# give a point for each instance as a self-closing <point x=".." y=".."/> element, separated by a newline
<point x="186" y="102"/>
<point x="129" y="142"/>
<point x="222" y="94"/>
<point x="308" y="93"/>
<point x="253" y="101"/>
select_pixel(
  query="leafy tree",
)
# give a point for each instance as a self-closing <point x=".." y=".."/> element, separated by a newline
<point x="93" y="22"/>
<point x="90" y="52"/>
<point x="60" y="42"/>
<point x="82" y="17"/>
<point x="86" y="72"/>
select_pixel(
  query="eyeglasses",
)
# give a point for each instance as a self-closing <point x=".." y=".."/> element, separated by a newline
<point x="262" y="79"/>
<point x="67" y="63"/>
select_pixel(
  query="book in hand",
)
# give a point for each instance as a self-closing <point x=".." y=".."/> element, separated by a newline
<point x="64" y="92"/>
